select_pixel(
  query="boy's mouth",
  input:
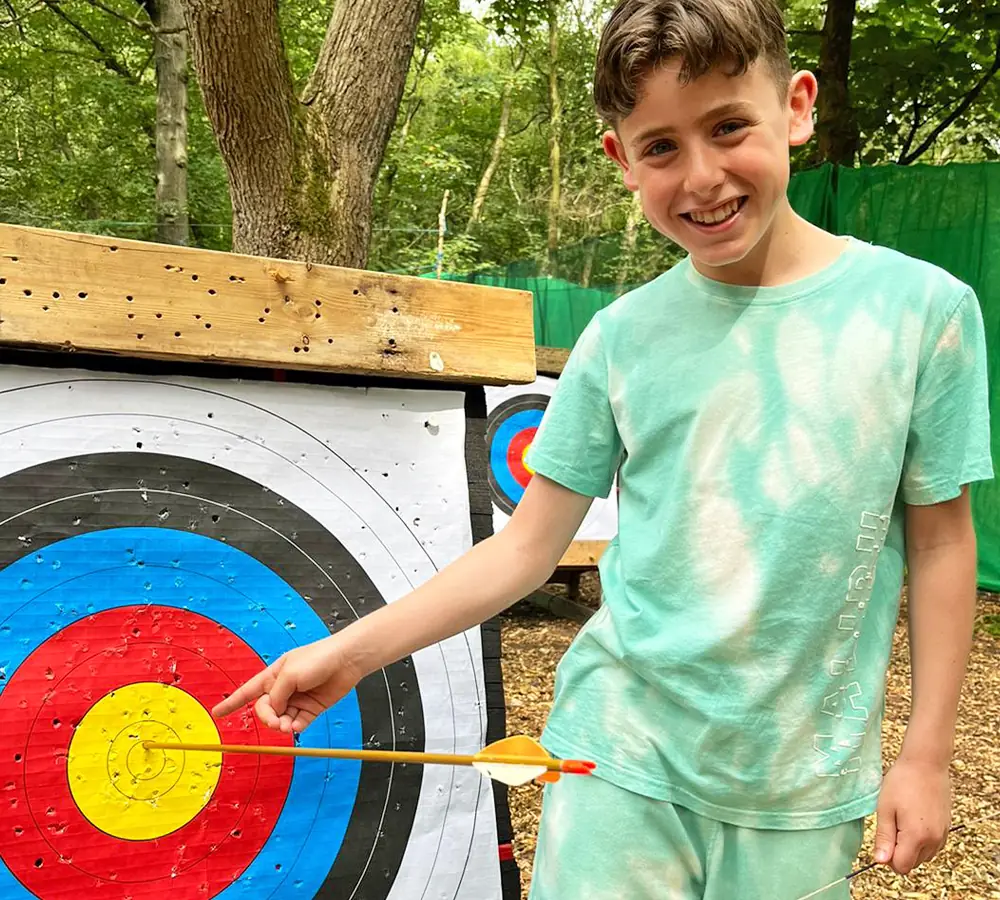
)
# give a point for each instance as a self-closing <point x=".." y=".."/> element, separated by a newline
<point x="720" y="215"/>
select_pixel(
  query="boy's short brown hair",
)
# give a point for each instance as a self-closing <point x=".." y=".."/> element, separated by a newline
<point x="702" y="34"/>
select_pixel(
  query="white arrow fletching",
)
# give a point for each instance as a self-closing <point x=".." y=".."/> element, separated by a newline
<point x="508" y="774"/>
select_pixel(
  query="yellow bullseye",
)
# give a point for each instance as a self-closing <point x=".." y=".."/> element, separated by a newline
<point x="524" y="454"/>
<point x="128" y="791"/>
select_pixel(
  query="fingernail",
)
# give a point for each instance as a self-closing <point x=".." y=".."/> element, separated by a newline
<point x="881" y="855"/>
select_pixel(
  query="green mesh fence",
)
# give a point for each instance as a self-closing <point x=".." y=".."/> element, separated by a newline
<point x="943" y="214"/>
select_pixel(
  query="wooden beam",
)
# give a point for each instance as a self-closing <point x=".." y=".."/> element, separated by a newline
<point x="583" y="555"/>
<point x="560" y="606"/>
<point x="60" y="290"/>
<point x="550" y="360"/>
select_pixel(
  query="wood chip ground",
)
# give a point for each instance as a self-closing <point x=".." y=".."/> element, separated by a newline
<point x="967" y="869"/>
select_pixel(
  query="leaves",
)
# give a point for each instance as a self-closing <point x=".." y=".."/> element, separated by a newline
<point x="77" y="150"/>
<point x="517" y="18"/>
<point x="913" y="64"/>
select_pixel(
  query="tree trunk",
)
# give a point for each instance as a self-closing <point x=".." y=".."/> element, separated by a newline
<point x="498" y="144"/>
<point x="302" y="172"/>
<point x="631" y="236"/>
<point x="837" y="128"/>
<point x="442" y="229"/>
<point x="170" y="51"/>
<point x="588" y="262"/>
<point x="555" y="128"/>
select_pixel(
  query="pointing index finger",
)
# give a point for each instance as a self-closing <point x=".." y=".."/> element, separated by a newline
<point x="245" y="693"/>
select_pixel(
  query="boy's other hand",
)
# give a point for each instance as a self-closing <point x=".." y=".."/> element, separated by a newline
<point x="914" y="814"/>
<point x="296" y="688"/>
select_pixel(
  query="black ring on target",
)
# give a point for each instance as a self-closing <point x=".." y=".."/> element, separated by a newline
<point x="64" y="498"/>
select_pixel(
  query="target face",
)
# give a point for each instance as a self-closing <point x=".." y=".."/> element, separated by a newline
<point x="511" y="427"/>
<point x="145" y="577"/>
<point x="514" y="414"/>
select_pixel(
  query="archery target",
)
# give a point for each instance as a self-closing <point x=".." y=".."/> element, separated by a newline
<point x="514" y="414"/>
<point x="510" y="428"/>
<point x="160" y="542"/>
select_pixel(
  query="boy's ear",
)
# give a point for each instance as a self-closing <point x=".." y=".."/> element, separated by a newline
<point x="801" y="103"/>
<point x="616" y="151"/>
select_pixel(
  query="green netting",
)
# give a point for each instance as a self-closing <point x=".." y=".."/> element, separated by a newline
<point x="943" y="214"/>
<point x="562" y="308"/>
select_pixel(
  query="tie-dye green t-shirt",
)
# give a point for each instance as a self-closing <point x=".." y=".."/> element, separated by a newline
<point x="764" y="441"/>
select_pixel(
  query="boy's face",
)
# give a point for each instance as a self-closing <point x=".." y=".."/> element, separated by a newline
<point x="710" y="158"/>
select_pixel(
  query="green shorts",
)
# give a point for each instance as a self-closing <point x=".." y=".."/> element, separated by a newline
<point x="597" y="841"/>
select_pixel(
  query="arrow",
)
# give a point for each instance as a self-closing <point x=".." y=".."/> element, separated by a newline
<point x="514" y="761"/>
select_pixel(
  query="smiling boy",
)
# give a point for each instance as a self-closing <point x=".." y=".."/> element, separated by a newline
<point x="792" y="417"/>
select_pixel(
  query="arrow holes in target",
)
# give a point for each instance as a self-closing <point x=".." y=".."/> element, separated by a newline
<point x="155" y="625"/>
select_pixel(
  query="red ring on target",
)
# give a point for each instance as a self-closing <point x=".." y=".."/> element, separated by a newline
<point x="519" y="445"/>
<point x="47" y="841"/>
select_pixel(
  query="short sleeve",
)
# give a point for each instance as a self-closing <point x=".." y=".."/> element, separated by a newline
<point x="948" y="445"/>
<point x="577" y="443"/>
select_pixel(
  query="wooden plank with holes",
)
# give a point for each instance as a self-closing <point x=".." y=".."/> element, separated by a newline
<point x="61" y="290"/>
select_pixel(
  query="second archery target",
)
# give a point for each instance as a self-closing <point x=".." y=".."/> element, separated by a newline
<point x="514" y="414"/>
<point x="511" y="426"/>
<point x="160" y="542"/>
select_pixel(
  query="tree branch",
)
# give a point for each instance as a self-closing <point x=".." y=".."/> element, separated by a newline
<point x="913" y="130"/>
<point x="360" y="76"/>
<point x="17" y="18"/>
<point x="135" y="23"/>
<point x="957" y="112"/>
<point x="150" y="58"/>
<point x="106" y="58"/>
<point x="537" y="118"/>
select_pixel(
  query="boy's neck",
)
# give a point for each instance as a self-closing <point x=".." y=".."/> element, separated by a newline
<point x="792" y="249"/>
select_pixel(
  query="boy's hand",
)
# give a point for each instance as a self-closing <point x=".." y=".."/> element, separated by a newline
<point x="914" y="814"/>
<point x="297" y="687"/>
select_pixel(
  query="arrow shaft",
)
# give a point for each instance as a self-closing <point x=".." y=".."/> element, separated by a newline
<point x="399" y="756"/>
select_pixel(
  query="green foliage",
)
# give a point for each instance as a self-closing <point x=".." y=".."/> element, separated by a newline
<point x="449" y="141"/>
<point x="78" y="148"/>
<point x="78" y="93"/>
<point x="912" y="64"/>
<point x="516" y="18"/>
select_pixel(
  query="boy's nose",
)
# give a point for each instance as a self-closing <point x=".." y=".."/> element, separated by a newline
<point x="703" y="174"/>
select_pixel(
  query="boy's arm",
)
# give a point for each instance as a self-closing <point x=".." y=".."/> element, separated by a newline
<point x="490" y="577"/>
<point x="941" y="557"/>
<point x="494" y="574"/>
<point x="915" y="805"/>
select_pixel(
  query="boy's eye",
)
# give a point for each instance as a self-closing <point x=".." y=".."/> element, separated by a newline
<point x="660" y="147"/>
<point x="729" y="128"/>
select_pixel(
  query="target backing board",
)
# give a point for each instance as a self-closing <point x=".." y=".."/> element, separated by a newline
<point x="161" y="540"/>
<point x="513" y="416"/>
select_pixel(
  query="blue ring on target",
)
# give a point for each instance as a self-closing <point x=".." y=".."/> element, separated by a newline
<point x="101" y="570"/>
<point x="505" y="433"/>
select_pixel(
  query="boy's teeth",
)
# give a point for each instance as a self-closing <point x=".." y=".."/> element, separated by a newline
<point x="713" y="216"/>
